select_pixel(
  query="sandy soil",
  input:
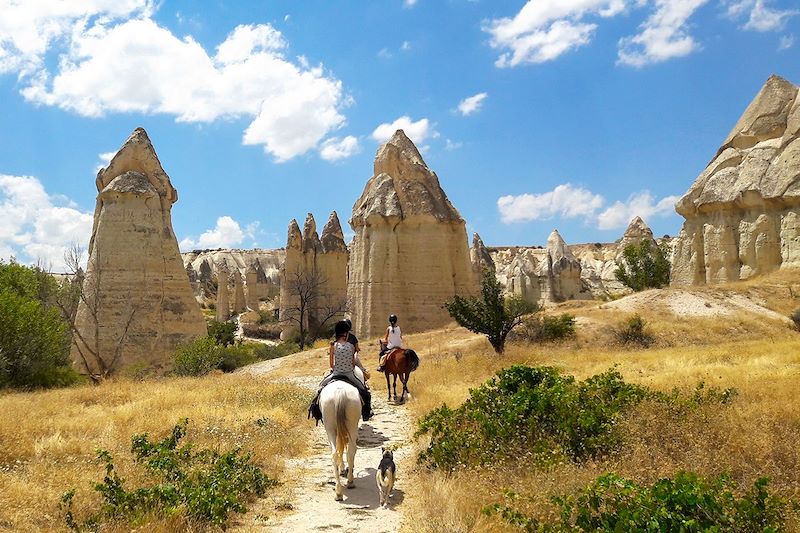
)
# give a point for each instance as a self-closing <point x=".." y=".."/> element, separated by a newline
<point x="305" y="502"/>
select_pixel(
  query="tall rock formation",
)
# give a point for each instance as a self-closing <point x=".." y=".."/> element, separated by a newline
<point x="410" y="249"/>
<point x="267" y="264"/>
<point x="138" y="304"/>
<point x="636" y="232"/>
<point x="256" y="284"/>
<point x="743" y="211"/>
<point x="313" y="277"/>
<point x="239" y="303"/>
<point x="479" y="258"/>
<point x="223" y="293"/>
<point x="563" y="270"/>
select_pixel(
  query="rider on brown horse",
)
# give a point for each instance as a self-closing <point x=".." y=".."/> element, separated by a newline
<point x="393" y="339"/>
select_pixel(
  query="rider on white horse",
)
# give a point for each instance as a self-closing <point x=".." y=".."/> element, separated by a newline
<point x="343" y="361"/>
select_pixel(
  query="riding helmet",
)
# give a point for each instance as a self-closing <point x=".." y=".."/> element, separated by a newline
<point x="392" y="319"/>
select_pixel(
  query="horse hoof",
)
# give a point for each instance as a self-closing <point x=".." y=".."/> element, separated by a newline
<point x="343" y="473"/>
<point x="339" y="497"/>
<point x="351" y="484"/>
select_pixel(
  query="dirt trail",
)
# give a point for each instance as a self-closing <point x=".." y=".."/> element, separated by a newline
<point x="309" y="483"/>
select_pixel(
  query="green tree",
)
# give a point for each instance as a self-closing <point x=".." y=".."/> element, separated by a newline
<point x="490" y="314"/>
<point x="644" y="266"/>
<point x="34" y="337"/>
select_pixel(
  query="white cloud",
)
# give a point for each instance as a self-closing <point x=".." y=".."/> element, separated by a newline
<point x="786" y="42"/>
<point x="384" y="53"/>
<point x="472" y="104"/>
<point x="642" y="204"/>
<point x="292" y="105"/>
<point x="545" y="29"/>
<point x="417" y="131"/>
<point x="663" y="35"/>
<point x="452" y="145"/>
<point x="227" y="233"/>
<point x="104" y="159"/>
<point x="334" y="148"/>
<point x="760" y="17"/>
<point x="409" y="3"/>
<point x="34" y="227"/>
<point x="565" y="200"/>
<point x="405" y="47"/>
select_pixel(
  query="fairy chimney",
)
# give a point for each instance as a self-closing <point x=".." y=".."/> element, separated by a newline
<point x="138" y="304"/>
<point x="410" y="249"/>
<point x="223" y="297"/>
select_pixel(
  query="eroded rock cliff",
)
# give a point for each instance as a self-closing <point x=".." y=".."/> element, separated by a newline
<point x="742" y="211"/>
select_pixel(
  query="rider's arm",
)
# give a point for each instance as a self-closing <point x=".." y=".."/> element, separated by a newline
<point x="330" y="356"/>
<point x="386" y="337"/>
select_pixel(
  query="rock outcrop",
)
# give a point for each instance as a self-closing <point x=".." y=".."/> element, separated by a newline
<point x="313" y="277"/>
<point x="480" y="258"/>
<point x="138" y="304"/>
<point x="267" y="264"/>
<point x="223" y="293"/>
<point x="257" y="285"/>
<point x="410" y="249"/>
<point x="636" y="232"/>
<point x="742" y="211"/>
<point x="239" y="303"/>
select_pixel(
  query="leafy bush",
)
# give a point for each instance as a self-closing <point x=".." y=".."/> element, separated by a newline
<point x="234" y="357"/>
<point x="644" y="266"/>
<point x="267" y="351"/>
<point x="491" y="314"/>
<point x="198" y="357"/>
<point x="686" y="502"/>
<point x="546" y="328"/>
<point x="529" y="413"/>
<point x="204" y="484"/>
<point x="223" y="333"/>
<point x="795" y="317"/>
<point x="634" y="331"/>
<point x="269" y="331"/>
<point x="34" y="338"/>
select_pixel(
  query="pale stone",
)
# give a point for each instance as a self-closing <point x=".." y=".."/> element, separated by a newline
<point x="223" y="297"/>
<point x="267" y="264"/>
<point x="480" y="258"/>
<point x="138" y="299"/>
<point x="410" y="252"/>
<point x="239" y="303"/>
<point x="740" y="211"/>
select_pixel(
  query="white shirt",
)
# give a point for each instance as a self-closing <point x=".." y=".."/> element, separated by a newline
<point x="395" y="339"/>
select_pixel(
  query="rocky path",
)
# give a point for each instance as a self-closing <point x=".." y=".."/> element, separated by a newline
<point x="306" y="501"/>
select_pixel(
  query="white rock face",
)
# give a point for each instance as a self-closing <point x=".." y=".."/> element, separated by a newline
<point x="260" y="267"/>
<point x="314" y="276"/>
<point x="223" y="293"/>
<point x="741" y="211"/>
<point x="139" y="303"/>
<point x="410" y="248"/>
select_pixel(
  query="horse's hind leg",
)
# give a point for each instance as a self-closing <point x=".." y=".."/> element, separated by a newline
<point x="388" y="388"/>
<point x="404" y="378"/>
<point x="336" y="472"/>
<point x="351" y="459"/>
<point x="394" y="386"/>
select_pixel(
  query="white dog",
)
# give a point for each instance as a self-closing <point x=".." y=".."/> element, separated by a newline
<point x="385" y="477"/>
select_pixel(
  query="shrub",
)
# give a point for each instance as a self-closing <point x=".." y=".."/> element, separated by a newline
<point x="204" y="484"/>
<point x="234" y="357"/>
<point x="268" y="351"/>
<point x="34" y="344"/>
<point x="198" y="357"/>
<point x="634" y="331"/>
<point x="685" y="502"/>
<point x="795" y="317"/>
<point x="529" y="413"/>
<point x="491" y="314"/>
<point x="268" y="331"/>
<point x="223" y="333"/>
<point x="546" y="328"/>
<point x="644" y="266"/>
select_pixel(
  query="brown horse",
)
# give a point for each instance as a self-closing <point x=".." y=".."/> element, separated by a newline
<point x="399" y="362"/>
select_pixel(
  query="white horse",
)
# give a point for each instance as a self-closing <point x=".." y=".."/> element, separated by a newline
<point x="340" y="404"/>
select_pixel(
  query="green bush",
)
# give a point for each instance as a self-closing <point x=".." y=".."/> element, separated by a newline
<point x="546" y="328"/>
<point x="686" y="503"/>
<point x="234" y="357"/>
<point x="634" y="331"/>
<point x="223" y="333"/>
<point x="34" y="337"/>
<point x="198" y="357"/>
<point x="267" y="351"/>
<point x="529" y="413"/>
<point x="795" y="317"/>
<point x="644" y="266"/>
<point x="269" y="331"/>
<point x="204" y="484"/>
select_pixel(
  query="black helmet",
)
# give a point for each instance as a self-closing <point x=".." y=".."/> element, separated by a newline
<point x="392" y="319"/>
<point x="349" y="324"/>
<point x="341" y="328"/>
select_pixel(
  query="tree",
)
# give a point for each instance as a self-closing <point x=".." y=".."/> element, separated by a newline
<point x="491" y="314"/>
<point x="644" y="266"/>
<point x="307" y="308"/>
<point x="98" y="362"/>
<point x="34" y="339"/>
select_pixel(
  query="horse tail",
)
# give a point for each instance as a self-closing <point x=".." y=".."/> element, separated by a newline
<point x="413" y="360"/>
<point x="342" y="432"/>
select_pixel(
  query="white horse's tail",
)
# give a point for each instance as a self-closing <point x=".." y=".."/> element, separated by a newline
<point x="342" y="431"/>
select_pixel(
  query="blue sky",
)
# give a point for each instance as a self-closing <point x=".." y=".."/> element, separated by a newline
<point x="568" y="114"/>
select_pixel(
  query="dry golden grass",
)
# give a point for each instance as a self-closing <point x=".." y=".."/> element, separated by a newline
<point x="48" y="440"/>
<point x="756" y="435"/>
